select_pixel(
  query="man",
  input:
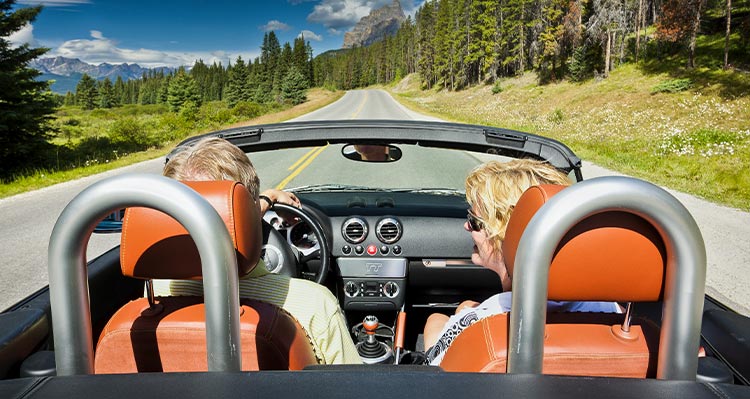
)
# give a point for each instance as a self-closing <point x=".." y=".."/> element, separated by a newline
<point x="314" y="306"/>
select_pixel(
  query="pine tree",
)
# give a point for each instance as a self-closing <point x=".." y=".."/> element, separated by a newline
<point x="26" y="104"/>
<point x="551" y="38"/>
<point x="294" y="87"/>
<point x="86" y="93"/>
<point x="238" y="84"/>
<point x="426" y="51"/>
<point x="120" y="92"/>
<point x="106" y="94"/>
<point x="481" y="56"/>
<point x="182" y="91"/>
<point x="300" y="57"/>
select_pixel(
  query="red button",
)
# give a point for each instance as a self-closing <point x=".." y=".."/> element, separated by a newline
<point x="372" y="250"/>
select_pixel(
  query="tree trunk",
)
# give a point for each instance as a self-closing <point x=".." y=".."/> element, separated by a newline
<point x="607" y="55"/>
<point x="726" y="37"/>
<point x="638" y="29"/>
<point x="694" y="33"/>
<point x="523" y="40"/>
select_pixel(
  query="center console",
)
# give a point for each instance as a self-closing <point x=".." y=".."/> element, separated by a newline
<point x="373" y="284"/>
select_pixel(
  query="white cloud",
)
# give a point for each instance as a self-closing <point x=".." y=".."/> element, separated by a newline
<point x="274" y="25"/>
<point x="53" y="3"/>
<point x="310" y="35"/>
<point x="100" y="49"/>
<point x="22" y="36"/>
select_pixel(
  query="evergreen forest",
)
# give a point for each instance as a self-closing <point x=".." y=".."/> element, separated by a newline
<point x="454" y="44"/>
<point x="281" y="74"/>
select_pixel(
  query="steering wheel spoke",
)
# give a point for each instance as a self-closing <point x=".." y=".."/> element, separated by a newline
<point x="323" y="252"/>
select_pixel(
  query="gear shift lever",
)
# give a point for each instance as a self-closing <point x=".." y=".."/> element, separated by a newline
<point x="371" y="350"/>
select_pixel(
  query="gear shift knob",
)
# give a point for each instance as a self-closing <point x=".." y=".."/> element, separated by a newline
<point x="370" y="324"/>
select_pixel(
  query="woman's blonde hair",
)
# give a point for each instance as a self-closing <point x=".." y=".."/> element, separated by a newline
<point x="214" y="158"/>
<point x="493" y="188"/>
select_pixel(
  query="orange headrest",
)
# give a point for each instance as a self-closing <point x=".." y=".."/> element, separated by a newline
<point x="154" y="245"/>
<point x="610" y="256"/>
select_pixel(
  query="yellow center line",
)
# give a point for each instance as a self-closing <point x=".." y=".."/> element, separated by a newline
<point x="299" y="161"/>
<point x="307" y="159"/>
<point x="302" y="167"/>
<point x="359" y="109"/>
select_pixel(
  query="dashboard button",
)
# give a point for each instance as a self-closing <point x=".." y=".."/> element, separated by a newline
<point x="346" y="249"/>
<point x="383" y="249"/>
<point x="396" y="249"/>
<point x="359" y="249"/>
<point x="372" y="250"/>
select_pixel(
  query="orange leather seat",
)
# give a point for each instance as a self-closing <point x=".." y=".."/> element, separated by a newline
<point x="171" y="334"/>
<point x="610" y="256"/>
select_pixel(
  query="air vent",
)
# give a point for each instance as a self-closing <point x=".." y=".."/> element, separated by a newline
<point x="354" y="230"/>
<point x="388" y="230"/>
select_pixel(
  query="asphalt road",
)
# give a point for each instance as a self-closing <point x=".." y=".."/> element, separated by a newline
<point x="26" y="220"/>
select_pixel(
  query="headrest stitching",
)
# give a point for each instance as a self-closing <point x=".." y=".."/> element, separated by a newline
<point x="230" y="210"/>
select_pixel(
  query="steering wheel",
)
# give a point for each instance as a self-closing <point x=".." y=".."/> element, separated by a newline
<point x="272" y="239"/>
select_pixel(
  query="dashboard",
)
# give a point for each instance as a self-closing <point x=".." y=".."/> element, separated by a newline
<point x="389" y="249"/>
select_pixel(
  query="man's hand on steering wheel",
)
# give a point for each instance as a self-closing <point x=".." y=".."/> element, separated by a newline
<point x="272" y="196"/>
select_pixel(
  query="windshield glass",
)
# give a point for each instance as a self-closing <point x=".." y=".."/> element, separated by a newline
<point x="326" y="169"/>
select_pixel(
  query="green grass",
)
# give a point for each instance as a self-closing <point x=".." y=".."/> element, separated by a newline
<point x="91" y="142"/>
<point x="696" y="140"/>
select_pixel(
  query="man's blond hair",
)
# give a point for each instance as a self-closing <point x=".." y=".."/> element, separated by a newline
<point x="214" y="158"/>
<point x="493" y="188"/>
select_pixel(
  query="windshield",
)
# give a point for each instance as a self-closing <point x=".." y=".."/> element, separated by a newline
<point x="439" y="171"/>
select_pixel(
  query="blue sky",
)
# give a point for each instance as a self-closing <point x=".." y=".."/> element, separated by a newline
<point x="167" y="32"/>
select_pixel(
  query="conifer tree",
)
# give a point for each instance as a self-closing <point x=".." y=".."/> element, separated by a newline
<point x="25" y="104"/>
<point x="86" y="94"/>
<point x="106" y="94"/>
<point x="120" y="92"/>
<point x="426" y="51"/>
<point x="294" y="87"/>
<point x="238" y="84"/>
<point x="483" y="29"/>
<point x="182" y="91"/>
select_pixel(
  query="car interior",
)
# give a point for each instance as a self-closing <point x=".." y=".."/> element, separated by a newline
<point x="391" y="257"/>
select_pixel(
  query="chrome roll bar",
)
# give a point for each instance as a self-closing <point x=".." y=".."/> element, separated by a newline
<point x="684" y="281"/>
<point x="68" y="284"/>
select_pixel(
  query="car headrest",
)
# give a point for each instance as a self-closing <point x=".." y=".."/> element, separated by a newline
<point x="156" y="246"/>
<point x="609" y="256"/>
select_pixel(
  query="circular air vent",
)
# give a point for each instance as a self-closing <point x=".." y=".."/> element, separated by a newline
<point x="388" y="230"/>
<point x="354" y="230"/>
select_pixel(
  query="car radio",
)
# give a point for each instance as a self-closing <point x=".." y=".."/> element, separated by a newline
<point x="371" y="284"/>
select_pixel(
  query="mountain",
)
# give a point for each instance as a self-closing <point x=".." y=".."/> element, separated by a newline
<point x="380" y="23"/>
<point x="67" y="71"/>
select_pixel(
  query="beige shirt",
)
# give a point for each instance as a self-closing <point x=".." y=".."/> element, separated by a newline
<point x="313" y="305"/>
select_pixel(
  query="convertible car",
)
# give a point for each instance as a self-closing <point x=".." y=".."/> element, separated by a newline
<point x="382" y="227"/>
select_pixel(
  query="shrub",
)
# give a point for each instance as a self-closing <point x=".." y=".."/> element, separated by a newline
<point x="248" y="110"/>
<point x="497" y="88"/>
<point x="130" y="134"/>
<point x="556" y="116"/>
<point x="672" y="86"/>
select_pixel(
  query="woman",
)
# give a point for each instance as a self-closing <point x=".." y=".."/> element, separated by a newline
<point x="492" y="190"/>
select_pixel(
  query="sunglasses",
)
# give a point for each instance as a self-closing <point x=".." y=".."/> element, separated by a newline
<point x="475" y="224"/>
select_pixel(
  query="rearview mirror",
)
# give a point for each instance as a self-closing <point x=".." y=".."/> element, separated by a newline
<point x="371" y="152"/>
